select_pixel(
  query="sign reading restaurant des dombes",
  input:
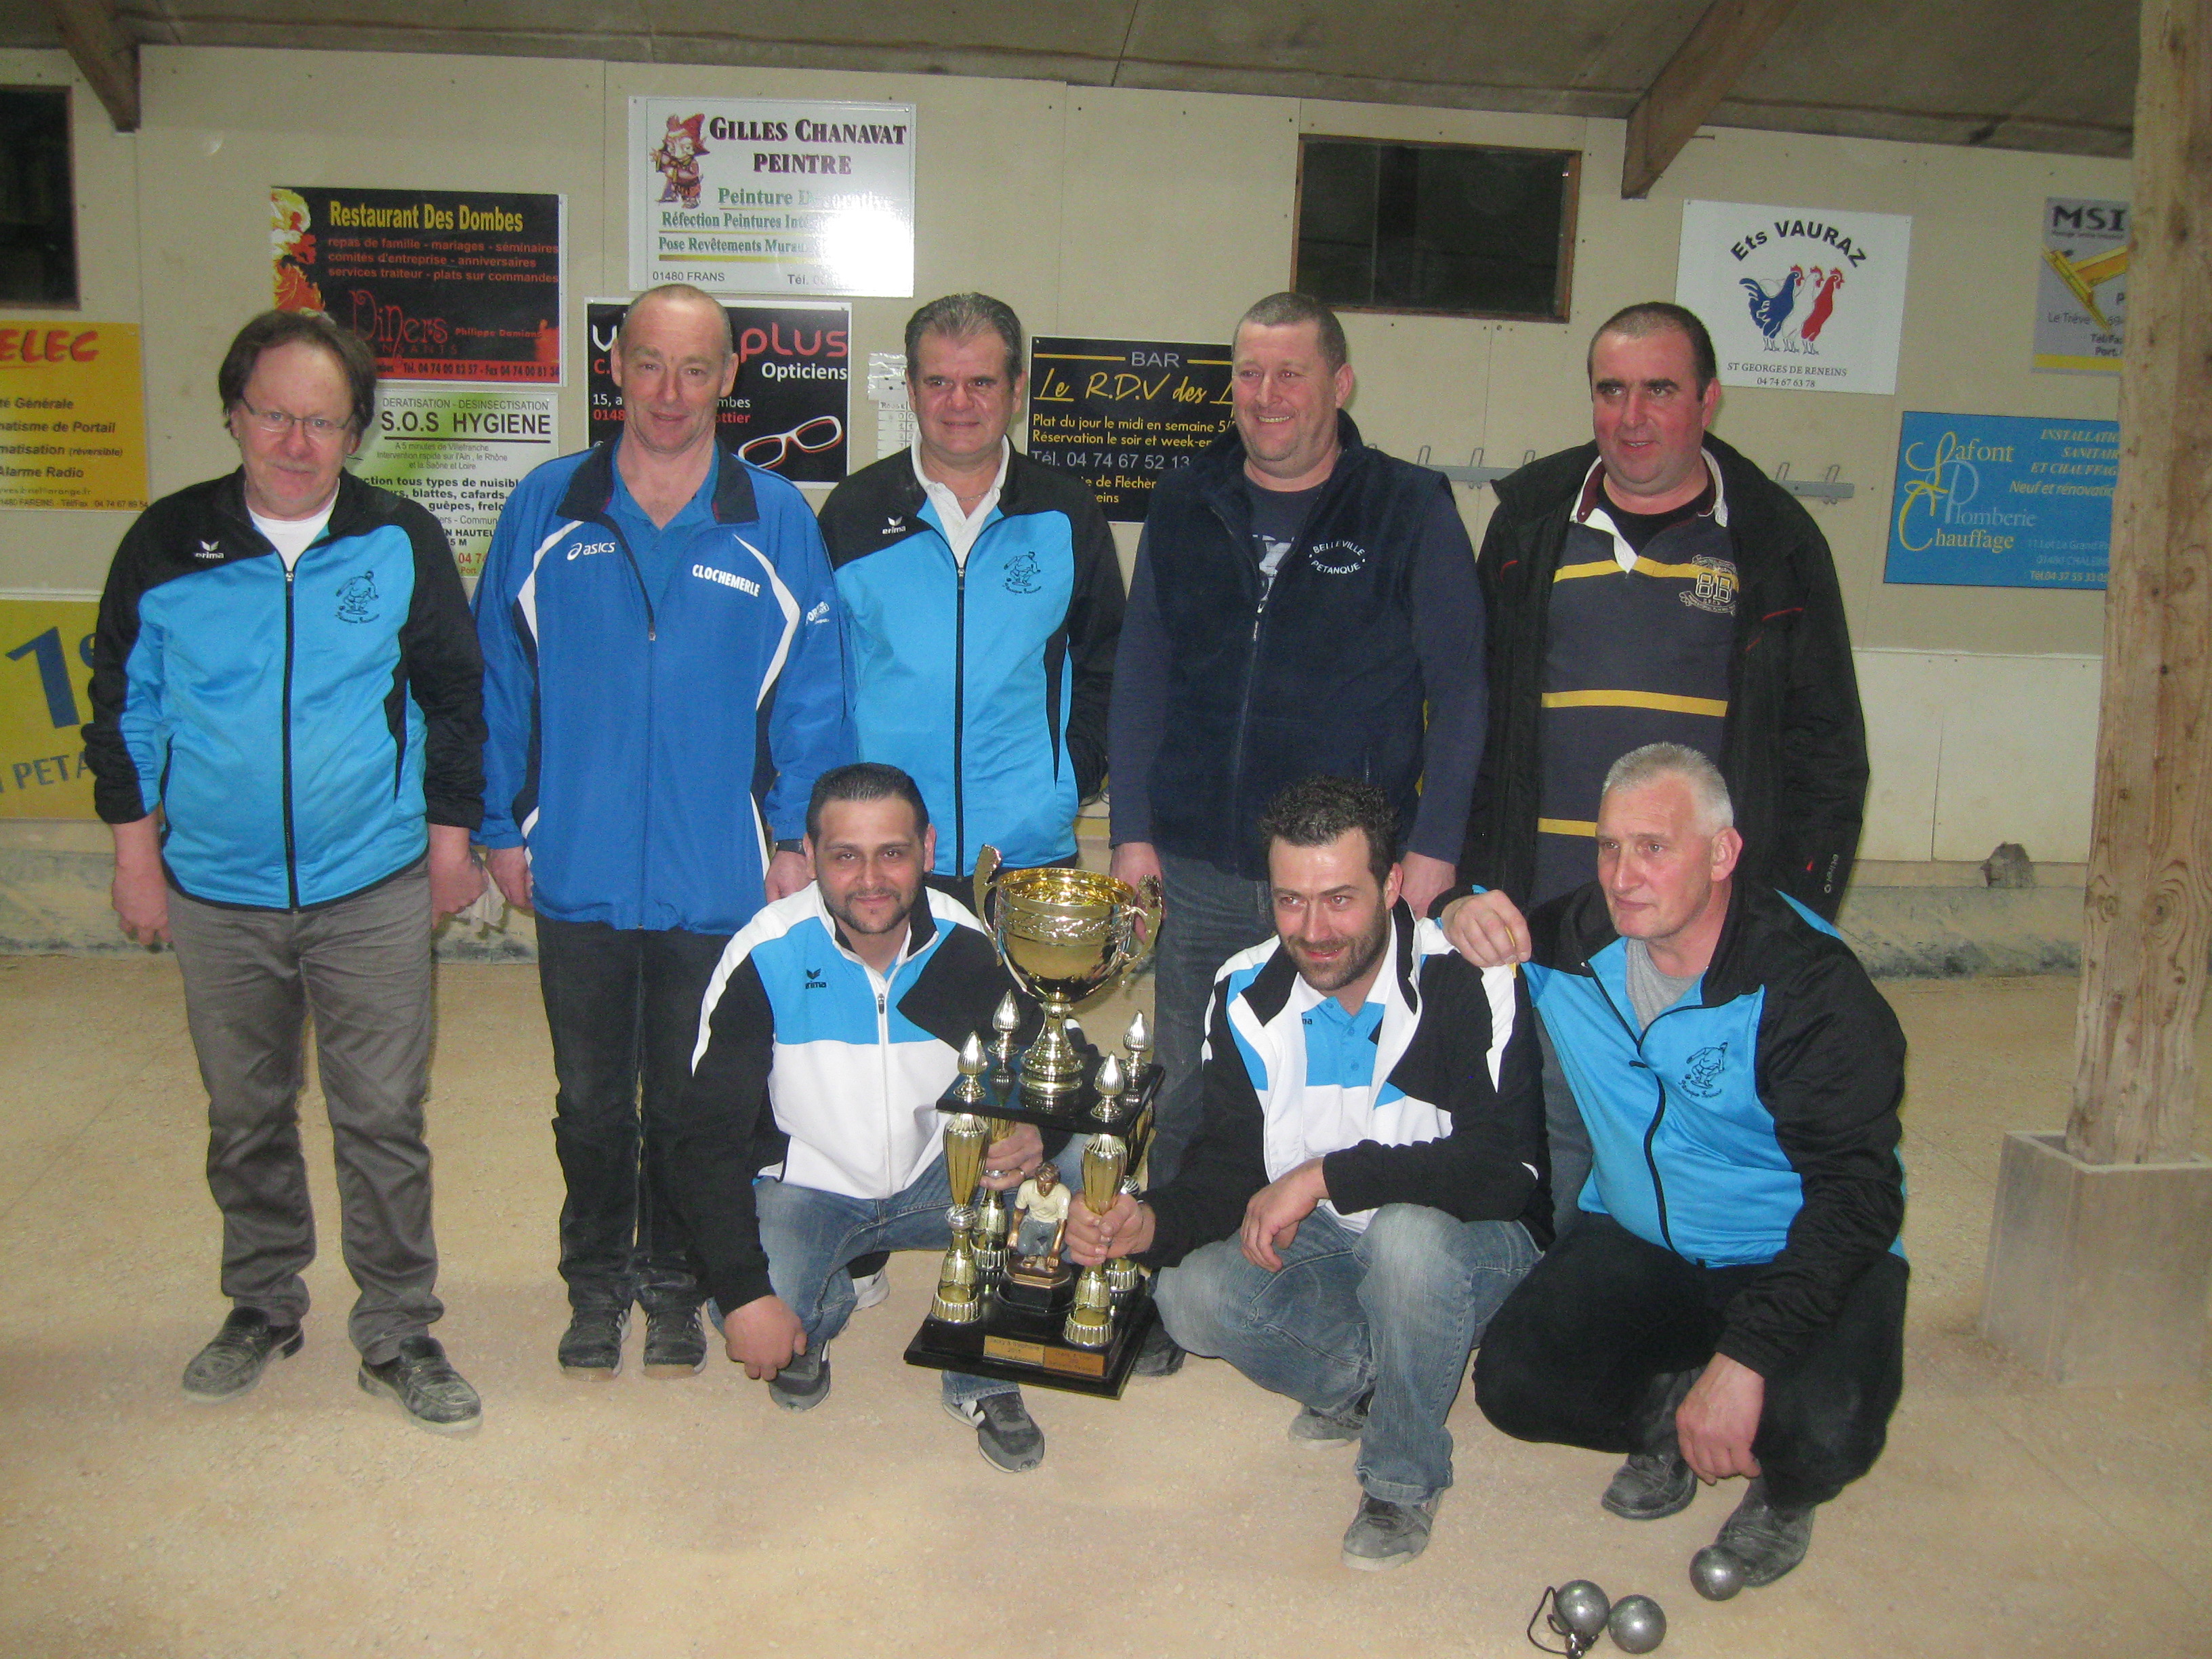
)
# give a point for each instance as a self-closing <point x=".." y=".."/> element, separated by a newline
<point x="806" y="199"/>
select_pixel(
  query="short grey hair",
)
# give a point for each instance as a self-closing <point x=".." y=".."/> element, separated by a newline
<point x="1288" y="310"/>
<point x="1655" y="761"/>
<point x="960" y="317"/>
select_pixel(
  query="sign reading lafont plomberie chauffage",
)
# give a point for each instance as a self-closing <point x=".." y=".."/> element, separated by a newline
<point x="771" y="196"/>
<point x="2003" y="500"/>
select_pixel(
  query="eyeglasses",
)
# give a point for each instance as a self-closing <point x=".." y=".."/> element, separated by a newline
<point x="276" y="423"/>
<point x="808" y="437"/>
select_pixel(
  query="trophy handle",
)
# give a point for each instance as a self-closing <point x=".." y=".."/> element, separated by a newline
<point x="987" y="866"/>
<point x="1132" y="952"/>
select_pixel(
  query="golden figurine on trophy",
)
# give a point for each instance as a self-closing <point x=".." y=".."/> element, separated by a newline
<point x="1007" y="1306"/>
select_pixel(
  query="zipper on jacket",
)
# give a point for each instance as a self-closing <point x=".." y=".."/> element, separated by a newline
<point x="1252" y="654"/>
<point x="1658" y="1116"/>
<point x="291" y="850"/>
<point x="959" y="710"/>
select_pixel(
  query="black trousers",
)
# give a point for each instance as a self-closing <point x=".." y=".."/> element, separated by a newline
<point x="622" y="1007"/>
<point x="1592" y="1347"/>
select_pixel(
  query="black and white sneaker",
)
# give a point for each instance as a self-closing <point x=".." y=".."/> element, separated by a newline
<point x="592" y="1346"/>
<point x="1006" y="1433"/>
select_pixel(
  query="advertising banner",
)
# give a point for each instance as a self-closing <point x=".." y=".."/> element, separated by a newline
<point x="771" y="196"/>
<point x="787" y="410"/>
<point x="447" y="285"/>
<point x="459" y="451"/>
<point x="2003" y="500"/>
<point x="1124" y="413"/>
<point x="72" y="416"/>
<point x="2082" y="286"/>
<point x="45" y="660"/>
<point x="1798" y="298"/>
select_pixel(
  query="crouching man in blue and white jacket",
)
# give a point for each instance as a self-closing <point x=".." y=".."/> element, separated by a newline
<point x="1368" y="1180"/>
<point x="808" y="1135"/>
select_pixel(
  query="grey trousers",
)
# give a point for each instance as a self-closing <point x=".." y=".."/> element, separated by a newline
<point x="362" y="968"/>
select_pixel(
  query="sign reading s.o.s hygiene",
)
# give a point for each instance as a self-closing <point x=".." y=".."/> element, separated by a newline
<point x="1123" y="414"/>
<point x="771" y="196"/>
<point x="460" y="451"/>
<point x="45" y="658"/>
<point x="1798" y="298"/>
<point x="787" y="410"/>
<point x="72" y="416"/>
<point x="2003" y="500"/>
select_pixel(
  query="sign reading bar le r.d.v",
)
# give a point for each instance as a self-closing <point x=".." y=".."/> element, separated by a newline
<point x="771" y="196"/>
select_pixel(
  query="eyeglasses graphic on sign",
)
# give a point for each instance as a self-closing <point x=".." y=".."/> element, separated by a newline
<point x="809" y="437"/>
<point x="275" y="421"/>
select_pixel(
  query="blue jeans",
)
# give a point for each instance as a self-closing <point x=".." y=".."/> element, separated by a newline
<point x="1395" y="1309"/>
<point x="810" y="1236"/>
<point x="1210" y="915"/>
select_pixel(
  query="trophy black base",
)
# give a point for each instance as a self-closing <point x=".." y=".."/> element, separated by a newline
<point x="1024" y="1345"/>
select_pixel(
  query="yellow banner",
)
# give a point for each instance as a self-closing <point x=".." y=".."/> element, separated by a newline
<point x="45" y="657"/>
<point x="72" y="416"/>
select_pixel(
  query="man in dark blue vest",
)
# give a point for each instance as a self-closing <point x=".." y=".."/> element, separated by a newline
<point x="1302" y="605"/>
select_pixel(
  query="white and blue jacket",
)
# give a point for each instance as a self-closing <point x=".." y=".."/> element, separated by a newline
<point x="813" y="1068"/>
<point x="986" y="681"/>
<point x="296" y="728"/>
<point x="1753" y="1122"/>
<point x="1450" y="1116"/>
<point x="647" y="747"/>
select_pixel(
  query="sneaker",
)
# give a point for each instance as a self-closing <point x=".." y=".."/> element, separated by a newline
<point x="675" y="1346"/>
<point x="1160" y="1355"/>
<point x="803" y="1384"/>
<point x="1316" y="1429"/>
<point x="233" y="1362"/>
<point x="426" y="1385"/>
<point x="1765" y="1539"/>
<point x="1651" y="1485"/>
<point x="1384" y="1534"/>
<point x="592" y="1347"/>
<point x="1006" y="1433"/>
<point x="872" y="1291"/>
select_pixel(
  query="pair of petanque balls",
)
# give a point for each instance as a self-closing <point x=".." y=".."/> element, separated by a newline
<point x="1634" y="1622"/>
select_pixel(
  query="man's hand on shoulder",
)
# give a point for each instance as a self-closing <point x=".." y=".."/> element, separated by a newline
<point x="1486" y="928"/>
<point x="1718" y="1419"/>
<point x="1126" y="1229"/>
<point x="1423" y="878"/>
<point x="1271" y="1218"/>
<point x="763" y="1336"/>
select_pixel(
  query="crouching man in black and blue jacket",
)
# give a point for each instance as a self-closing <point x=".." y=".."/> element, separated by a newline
<point x="1368" y="1180"/>
<point x="1732" y="1301"/>
<point x="808" y="1135"/>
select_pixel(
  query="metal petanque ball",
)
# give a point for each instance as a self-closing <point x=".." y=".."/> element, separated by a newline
<point x="1637" y="1624"/>
<point x="1581" y="1607"/>
<point x="1716" y="1572"/>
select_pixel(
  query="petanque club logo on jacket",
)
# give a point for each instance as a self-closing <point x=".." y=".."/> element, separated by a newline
<point x="354" y="597"/>
<point x="1338" y="558"/>
<point x="1703" y="1078"/>
<point x="1022" y="573"/>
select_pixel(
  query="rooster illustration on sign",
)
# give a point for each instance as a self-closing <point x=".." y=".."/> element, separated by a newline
<point x="1772" y="312"/>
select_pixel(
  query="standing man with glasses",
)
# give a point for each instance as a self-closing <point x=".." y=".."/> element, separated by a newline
<point x="663" y="684"/>
<point x="287" y="743"/>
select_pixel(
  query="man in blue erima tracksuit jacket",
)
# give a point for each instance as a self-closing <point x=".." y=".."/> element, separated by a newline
<point x="661" y="647"/>
<point x="1732" y="1301"/>
<point x="982" y="603"/>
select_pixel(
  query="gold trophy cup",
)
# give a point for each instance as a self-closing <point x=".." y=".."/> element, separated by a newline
<point x="1064" y="935"/>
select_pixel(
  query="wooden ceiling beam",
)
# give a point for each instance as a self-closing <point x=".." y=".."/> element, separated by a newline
<point x="105" y="55"/>
<point x="1697" y="77"/>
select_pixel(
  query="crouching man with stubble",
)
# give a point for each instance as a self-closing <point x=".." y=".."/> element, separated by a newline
<point x="1367" y="1183"/>
<point x="809" y="1136"/>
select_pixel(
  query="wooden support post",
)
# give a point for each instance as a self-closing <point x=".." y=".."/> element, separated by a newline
<point x="2100" y="1251"/>
<point x="1697" y="76"/>
<point x="105" y="55"/>
<point x="2148" y="921"/>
